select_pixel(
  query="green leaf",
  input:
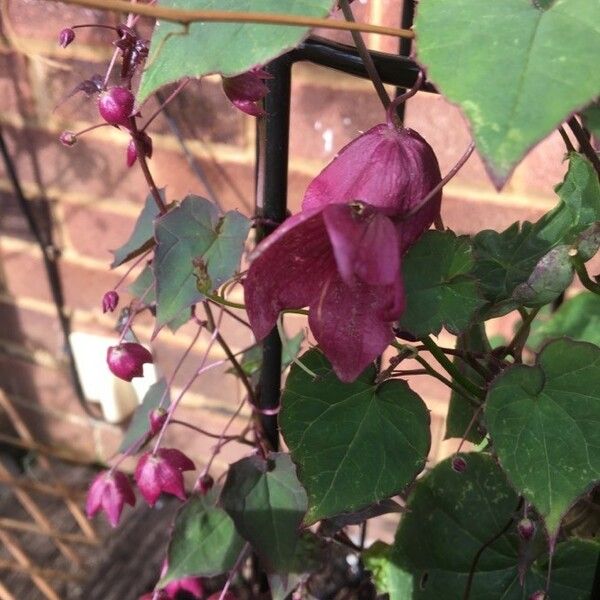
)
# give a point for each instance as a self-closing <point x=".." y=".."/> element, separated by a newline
<point x="439" y="289"/>
<point x="194" y="242"/>
<point x="266" y="502"/>
<point x="140" y="423"/>
<point x="505" y="260"/>
<point x="460" y="410"/>
<point x="577" y="318"/>
<point x="452" y="515"/>
<point x="388" y="577"/>
<point x="142" y="236"/>
<point x="543" y="421"/>
<point x="227" y="48"/>
<point x="354" y="443"/>
<point x="204" y="542"/>
<point x="511" y="55"/>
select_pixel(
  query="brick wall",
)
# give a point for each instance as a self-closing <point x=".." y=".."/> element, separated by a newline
<point x="95" y="200"/>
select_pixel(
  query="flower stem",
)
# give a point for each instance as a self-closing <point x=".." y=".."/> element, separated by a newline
<point x="583" y="275"/>
<point x="169" y="99"/>
<point x="584" y="143"/>
<point x="186" y="17"/>
<point x="451" y="368"/>
<point x="515" y="348"/>
<point x="363" y="51"/>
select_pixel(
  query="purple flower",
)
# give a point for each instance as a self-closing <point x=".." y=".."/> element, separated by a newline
<point x="110" y="301"/>
<point x="245" y="91"/>
<point x="459" y="464"/>
<point x="191" y="586"/>
<point x="526" y="528"/>
<point x="65" y="37"/>
<point x="109" y="492"/>
<point x="341" y="255"/>
<point x="126" y="360"/>
<point x="162" y="472"/>
<point x="157" y="419"/>
<point x="116" y="106"/>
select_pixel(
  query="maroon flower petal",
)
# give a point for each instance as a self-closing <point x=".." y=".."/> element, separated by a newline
<point x="352" y="324"/>
<point x="365" y="243"/>
<point x="289" y="270"/>
<point x="245" y="91"/>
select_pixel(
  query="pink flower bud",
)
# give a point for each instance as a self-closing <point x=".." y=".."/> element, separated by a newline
<point x="205" y="484"/>
<point x="127" y="359"/>
<point x="109" y="492"/>
<point x="116" y="106"/>
<point x="162" y="472"/>
<point x="539" y="595"/>
<point x="132" y="153"/>
<point x="157" y="419"/>
<point x="65" y="37"/>
<point x="110" y="301"/>
<point x="145" y="142"/>
<point x="67" y="138"/>
<point x="459" y="464"/>
<point x="245" y="91"/>
<point x="526" y="528"/>
<point x="188" y="587"/>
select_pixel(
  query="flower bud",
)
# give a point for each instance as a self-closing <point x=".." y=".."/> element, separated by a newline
<point x="162" y="472"/>
<point x="67" y="138"/>
<point x="245" y="91"/>
<point x="526" y="528"/>
<point x="145" y="142"/>
<point x="132" y="153"/>
<point x="109" y="492"/>
<point x="65" y="37"/>
<point x="539" y="595"/>
<point x="110" y="301"/>
<point x="205" y="484"/>
<point x="157" y="419"/>
<point x="116" y="106"/>
<point x="459" y="464"/>
<point x="126" y="360"/>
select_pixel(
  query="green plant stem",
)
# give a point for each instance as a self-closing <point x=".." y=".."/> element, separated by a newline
<point x="452" y="369"/>
<point x="583" y="275"/>
<point x="584" y="143"/>
<point x="515" y="348"/>
<point x="363" y="51"/>
<point x="447" y="382"/>
<point x="186" y="17"/>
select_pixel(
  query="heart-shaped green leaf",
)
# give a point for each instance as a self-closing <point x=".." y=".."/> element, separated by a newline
<point x="439" y="289"/>
<point x="194" y="242"/>
<point x="354" y="443"/>
<point x="226" y="48"/>
<point x="204" y="540"/>
<point x="452" y="517"/>
<point x="516" y="68"/>
<point x="544" y="424"/>
<point x="267" y="503"/>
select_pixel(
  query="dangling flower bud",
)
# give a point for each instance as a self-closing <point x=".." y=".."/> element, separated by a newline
<point x="65" y="37"/>
<point x="526" y="528"/>
<point x="126" y="360"/>
<point x="67" y="138"/>
<point x="132" y="153"/>
<point x="145" y="142"/>
<point x="162" y="472"/>
<point x="157" y="419"/>
<point x="116" y="106"/>
<point x="459" y="464"/>
<point x="205" y="484"/>
<point x="110" y="301"/>
<point x="245" y="91"/>
<point x="539" y="595"/>
<point x="109" y="492"/>
<point x="188" y="587"/>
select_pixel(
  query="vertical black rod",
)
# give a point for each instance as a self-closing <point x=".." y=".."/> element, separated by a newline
<point x="406" y="22"/>
<point x="272" y="171"/>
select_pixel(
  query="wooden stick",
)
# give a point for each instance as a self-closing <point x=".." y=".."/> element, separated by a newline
<point x="18" y="525"/>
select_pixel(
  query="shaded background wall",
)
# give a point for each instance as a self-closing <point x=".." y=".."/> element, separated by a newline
<point x="95" y="199"/>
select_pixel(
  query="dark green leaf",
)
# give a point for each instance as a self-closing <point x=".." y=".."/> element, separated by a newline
<point x="543" y="421"/>
<point x="266" y="501"/>
<point x="511" y="54"/>
<point x="142" y="236"/>
<point x="461" y="411"/>
<point x="140" y="423"/>
<point x="194" y="242"/>
<point x="226" y="48"/>
<point x="388" y="577"/>
<point x="505" y="260"/>
<point x="577" y="318"/>
<point x="439" y="290"/>
<point x="204" y="542"/>
<point x="452" y="515"/>
<point x="354" y="443"/>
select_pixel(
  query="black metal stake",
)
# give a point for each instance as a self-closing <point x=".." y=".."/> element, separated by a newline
<point x="272" y="180"/>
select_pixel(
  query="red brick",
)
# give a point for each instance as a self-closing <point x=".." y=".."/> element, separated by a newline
<point x="41" y="20"/>
<point x="15" y="96"/>
<point x="13" y="222"/>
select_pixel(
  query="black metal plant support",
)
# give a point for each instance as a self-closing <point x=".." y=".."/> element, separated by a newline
<point x="272" y="169"/>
